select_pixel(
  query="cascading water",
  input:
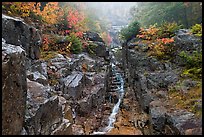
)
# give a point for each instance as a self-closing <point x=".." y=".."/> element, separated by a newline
<point x="120" y="91"/>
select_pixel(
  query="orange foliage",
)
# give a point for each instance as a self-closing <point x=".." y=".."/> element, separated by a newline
<point x="156" y="42"/>
<point x="51" y="13"/>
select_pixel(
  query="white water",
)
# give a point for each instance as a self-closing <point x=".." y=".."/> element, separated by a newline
<point x="112" y="117"/>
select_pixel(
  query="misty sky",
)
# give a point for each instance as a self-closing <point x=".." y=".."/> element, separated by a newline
<point x="116" y="12"/>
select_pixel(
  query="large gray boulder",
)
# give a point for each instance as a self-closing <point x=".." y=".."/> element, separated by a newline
<point x="43" y="113"/>
<point x="14" y="89"/>
<point x="100" y="49"/>
<point x="16" y="32"/>
<point x="73" y="85"/>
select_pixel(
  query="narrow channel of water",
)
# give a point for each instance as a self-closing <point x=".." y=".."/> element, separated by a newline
<point x="120" y="91"/>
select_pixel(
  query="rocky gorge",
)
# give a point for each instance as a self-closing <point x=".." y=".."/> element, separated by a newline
<point x="78" y="94"/>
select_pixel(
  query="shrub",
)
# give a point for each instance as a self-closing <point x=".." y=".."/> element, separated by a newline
<point x="168" y="29"/>
<point x="76" y="45"/>
<point x="91" y="47"/>
<point x="159" y="40"/>
<point x="193" y="64"/>
<point x="194" y="60"/>
<point x="130" y="31"/>
<point x="197" y="30"/>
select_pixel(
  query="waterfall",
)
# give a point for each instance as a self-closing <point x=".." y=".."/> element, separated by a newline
<point x="112" y="117"/>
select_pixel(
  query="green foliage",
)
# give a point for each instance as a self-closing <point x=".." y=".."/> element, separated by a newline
<point x="193" y="64"/>
<point x="195" y="73"/>
<point x="194" y="60"/>
<point x="168" y="29"/>
<point x="197" y="30"/>
<point x="91" y="48"/>
<point x="76" y="45"/>
<point x="149" y="13"/>
<point x="130" y="31"/>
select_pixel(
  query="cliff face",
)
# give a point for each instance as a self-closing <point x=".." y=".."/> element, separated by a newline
<point x="16" y="32"/>
<point x="151" y="80"/>
<point x="14" y="88"/>
<point x="49" y="97"/>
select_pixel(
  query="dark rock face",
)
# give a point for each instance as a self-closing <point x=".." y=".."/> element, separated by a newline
<point x="150" y="79"/>
<point x="39" y="66"/>
<point x="182" y="121"/>
<point x="38" y="77"/>
<point x="92" y="36"/>
<point x="44" y="114"/>
<point x="16" y="32"/>
<point x="187" y="42"/>
<point x="157" y="115"/>
<point x="14" y="89"/>
<point x="100" y="49"/>
<point x="73" y="85"/>
<point x="191" y="42"/>
<point x="161" y="79"/>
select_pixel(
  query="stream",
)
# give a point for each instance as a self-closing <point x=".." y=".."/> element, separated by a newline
<point x="120" y="92"/>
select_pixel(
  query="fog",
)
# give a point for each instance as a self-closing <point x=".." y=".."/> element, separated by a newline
<point x="116" y="13"/>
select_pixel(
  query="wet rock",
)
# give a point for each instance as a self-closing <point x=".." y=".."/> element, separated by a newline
<point x="66" y="109"/>
<point x="85" y="106"/>
<point x="185" y="41"/>
<point x="46" y="119"/>
<point x="191" y="42"/>
<point x="143" y="94"/>
<point x="161" y="79"/>
<point x="98" y="95"/>
<point x="68" y="114"/>
<point x="64" y="129"/>
<point x="23" y="132"/>
<point x="43" y="114"/>
<point x="39" y="66"/>
<point x="86" y="63"/>
<point x="73" y="84"/>
<point x="140" y="62"/>
<point x="16" y="32"/>
<point x="59" y="61"/>
<point x="100" y="50"/>
<point x="14" y="89"/>
<point x="182" y="121"/>
<point x="157" y="115"/>
<point x="113" y="97"/>
<point x="89" y="78"/>
<point x="36" y="76"/>
<point x="93" y="36"/>
<point x="161" y="94"/>
<point x="99" y="78"/>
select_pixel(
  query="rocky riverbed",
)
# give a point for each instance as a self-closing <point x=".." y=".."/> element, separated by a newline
<point x="82" y="93"/>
